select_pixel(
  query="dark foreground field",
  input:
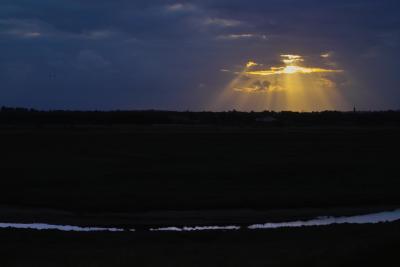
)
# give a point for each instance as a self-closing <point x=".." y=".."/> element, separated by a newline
<point x="196" y="175"/>
<point x="347" y="245"/>
<point x="132" y="168"/>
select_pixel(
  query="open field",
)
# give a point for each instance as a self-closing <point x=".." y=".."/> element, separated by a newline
<point x="126" y="169"/>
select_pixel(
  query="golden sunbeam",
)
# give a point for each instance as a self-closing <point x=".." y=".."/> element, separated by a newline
<point x="290" y="86"/>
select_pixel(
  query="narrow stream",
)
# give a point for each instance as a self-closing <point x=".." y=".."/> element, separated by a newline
<point x="381" y="217"/>
<point x="64" y="228"/>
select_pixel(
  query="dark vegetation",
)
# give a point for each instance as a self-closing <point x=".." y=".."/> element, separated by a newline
<point x="131" y="167"/>
<point x="115" y="164"/>
<point x="12" y="116"/>
<point x="346" y="245"/>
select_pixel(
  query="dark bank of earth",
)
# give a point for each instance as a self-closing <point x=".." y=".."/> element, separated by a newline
<point x="345" y="245"/>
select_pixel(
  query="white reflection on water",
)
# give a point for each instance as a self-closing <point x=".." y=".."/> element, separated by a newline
<point x="197" y="228"/>
<point x="65" y="228"/>
<point x="381" y="217"/>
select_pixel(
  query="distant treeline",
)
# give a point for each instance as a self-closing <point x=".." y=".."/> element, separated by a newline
<point x="17" y="116"/>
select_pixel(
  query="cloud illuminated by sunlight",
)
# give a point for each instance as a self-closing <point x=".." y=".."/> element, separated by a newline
<point x="291" y="85"/>
<point x="326" y="55"/>
<point x="251" y="64"/>
<point x="291" y="59"/>
<point x="292" y="67"/>
<point x="289" y="70"/>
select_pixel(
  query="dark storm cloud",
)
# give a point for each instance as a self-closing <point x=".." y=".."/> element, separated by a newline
<point x="167" y="54"/>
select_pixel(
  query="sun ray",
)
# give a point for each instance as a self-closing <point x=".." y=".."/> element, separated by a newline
<point x="290" y="86"/>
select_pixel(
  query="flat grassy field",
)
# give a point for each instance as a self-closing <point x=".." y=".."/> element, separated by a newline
<point x="146" y="168"/>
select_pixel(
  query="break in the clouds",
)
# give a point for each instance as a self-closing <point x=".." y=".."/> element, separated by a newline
<point x="80" y="54"/>
<point x="291" y="85"/>
<point x="256" y="78"/>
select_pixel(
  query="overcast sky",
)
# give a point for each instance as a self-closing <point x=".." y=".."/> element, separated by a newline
<point x="124" y="54"/>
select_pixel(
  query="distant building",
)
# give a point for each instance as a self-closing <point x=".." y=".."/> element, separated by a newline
<point x="266" y="119"/>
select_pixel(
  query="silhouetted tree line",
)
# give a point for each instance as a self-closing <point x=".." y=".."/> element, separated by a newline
<point x="15" y="116"/>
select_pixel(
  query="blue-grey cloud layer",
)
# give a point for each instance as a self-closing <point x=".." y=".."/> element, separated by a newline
<point x="98" y="54"/>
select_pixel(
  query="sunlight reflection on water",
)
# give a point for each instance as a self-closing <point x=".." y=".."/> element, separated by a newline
<point x="65" y="228"/>
<point x="381" y="217"/>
